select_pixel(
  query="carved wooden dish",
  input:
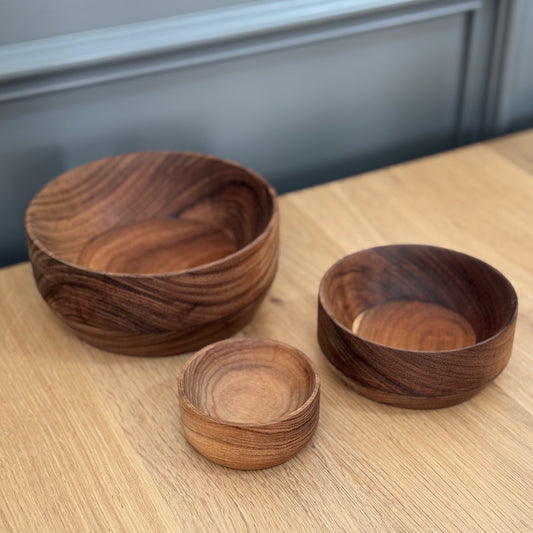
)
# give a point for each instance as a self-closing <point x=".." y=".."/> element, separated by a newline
<point x="154" y="253"/>
<point x="249" y="403"/>
<point x="416" y="326"/>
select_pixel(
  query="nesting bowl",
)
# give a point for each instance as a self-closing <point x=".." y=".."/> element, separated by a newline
<point x="249" y="403"/>
<point x="416" y="326"/>
<point x="154" y="253"/>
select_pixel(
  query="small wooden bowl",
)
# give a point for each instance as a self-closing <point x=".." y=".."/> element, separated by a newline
<point x="154" y="253"/>
<point x="416" y="326"/>
<point x="249" y="403"/>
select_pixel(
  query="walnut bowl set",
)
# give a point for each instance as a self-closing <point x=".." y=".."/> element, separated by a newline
<point x="160" y="253"/>
<point x="154" y="253"/>
<point x="416" y="326"/>
<point x="249" y="403"/>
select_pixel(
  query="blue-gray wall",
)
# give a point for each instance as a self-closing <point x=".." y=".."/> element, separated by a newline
<point x="513" y="109"/>
<point x="28" y="20"/>
<point x="303" y="91"/>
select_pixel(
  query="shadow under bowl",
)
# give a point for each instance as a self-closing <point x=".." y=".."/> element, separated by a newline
<point x="154" y="253"/>
<point x="416" y="326"/>
<point x="249" y="403"/>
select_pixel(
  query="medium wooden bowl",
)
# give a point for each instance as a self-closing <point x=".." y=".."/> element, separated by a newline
<point x="249" y="403"/>
<point x="154" y="253"/>
<point x="416" y="326"/>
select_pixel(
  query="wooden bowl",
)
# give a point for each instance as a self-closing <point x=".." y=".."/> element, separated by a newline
<point x="154" y="253"/>
<point x="416" y="326"/>
<point x="249" y="403"/>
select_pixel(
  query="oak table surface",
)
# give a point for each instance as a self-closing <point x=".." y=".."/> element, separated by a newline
<point x="92" y="441"/>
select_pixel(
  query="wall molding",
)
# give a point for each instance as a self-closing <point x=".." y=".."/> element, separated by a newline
<point x="505" y="61"/>
<point x="77" y="60"/>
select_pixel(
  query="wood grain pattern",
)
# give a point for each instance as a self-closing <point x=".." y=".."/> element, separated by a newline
<point x="161" y="245"/>
<point x="414" y="325"/>
<point x="154" y="253"/>
<point x="249" y="403"/>
<point x="453" y="335"/>
<point x="92" y="441"/>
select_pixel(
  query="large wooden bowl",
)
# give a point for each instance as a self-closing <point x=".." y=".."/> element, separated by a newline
<point x="416" y="326"/>
<point x="154" y="253"/>
<point x="249" y="403"/>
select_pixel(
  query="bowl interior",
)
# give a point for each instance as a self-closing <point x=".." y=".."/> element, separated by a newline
<point x="418" y="297"/>
<point x="248" y="381"/>
<point x="150" y="212"/>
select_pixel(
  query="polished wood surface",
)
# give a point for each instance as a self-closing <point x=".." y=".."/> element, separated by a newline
<point x="154" y="253"/>
<point x="92" y="441"/>
<point x="249" y="403"/>
<point x="415" y="325"/>
<point x="157" y="246"/>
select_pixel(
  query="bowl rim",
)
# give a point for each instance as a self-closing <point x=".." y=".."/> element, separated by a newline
<point x="158" y="275"/>
<point x="258" y="341"/>
<point x="323" y="300"/>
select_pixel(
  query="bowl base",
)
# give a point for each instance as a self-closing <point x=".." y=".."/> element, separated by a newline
<point x="406" y="401"/>
<point x="165" y="343"/>
<point x="156" y="246"/>
<point x="414" y="325"/>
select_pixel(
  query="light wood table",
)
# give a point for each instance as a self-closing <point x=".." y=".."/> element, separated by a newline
<point x="92" y="441"/>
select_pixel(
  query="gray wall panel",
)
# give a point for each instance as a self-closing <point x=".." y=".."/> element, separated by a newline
<point x="23" y="20"/>
<point x="521" y="96"/>
<point x="512" y="84"/>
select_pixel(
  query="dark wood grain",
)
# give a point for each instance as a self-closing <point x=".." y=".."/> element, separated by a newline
<point x="249" y="403"/>
<point x="161" y="245"/>
<point x="416" y="326"/>
<point x="154" y="253"/>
